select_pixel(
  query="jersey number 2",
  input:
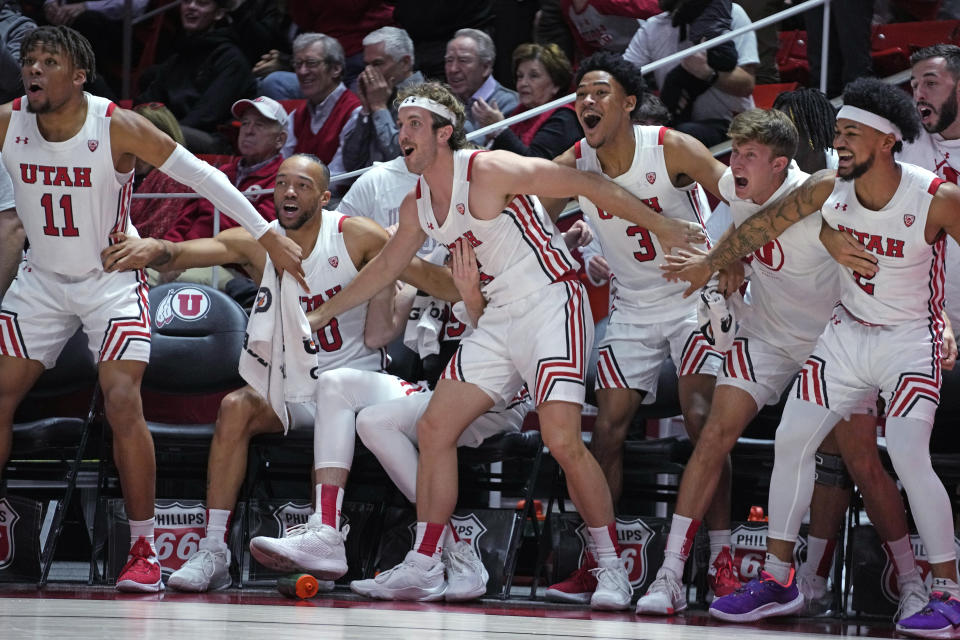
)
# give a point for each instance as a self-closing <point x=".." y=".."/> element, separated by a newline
<point x="68" y="230"/>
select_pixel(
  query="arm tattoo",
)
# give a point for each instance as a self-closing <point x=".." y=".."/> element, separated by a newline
<point x="163" y="258"/>
<point x="768" y="223"/>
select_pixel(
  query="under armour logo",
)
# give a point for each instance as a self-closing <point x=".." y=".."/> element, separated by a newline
<point x="835" y="320"/>
<point x="25" y="140"/>
<point x="841" y="207"/>
<point x="429" y="225"/>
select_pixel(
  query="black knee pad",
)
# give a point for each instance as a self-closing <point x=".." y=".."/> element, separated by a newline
<point x="831" y="472"/>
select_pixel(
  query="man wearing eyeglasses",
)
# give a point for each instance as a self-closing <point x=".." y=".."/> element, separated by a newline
<point x="320" y="126"/>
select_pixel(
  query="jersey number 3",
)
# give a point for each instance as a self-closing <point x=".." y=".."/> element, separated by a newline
<point x="647" y="251"/>
<point x="68" y="230"/>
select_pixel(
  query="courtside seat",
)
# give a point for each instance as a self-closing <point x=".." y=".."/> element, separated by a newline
<point x="50" y="434"/>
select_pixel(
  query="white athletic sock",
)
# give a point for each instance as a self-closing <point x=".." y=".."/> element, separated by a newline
<point x="218" y="520"/>
<point x="819" y="556"/>
<point x="946" y="585"/>
<point x="605" y="544"/>
<point x="679" y="543"/>
<point x="777" y="568"/>
<point x="719" y="539"/>
<point x="901" y="552"/>
<point x="142" y="529"/>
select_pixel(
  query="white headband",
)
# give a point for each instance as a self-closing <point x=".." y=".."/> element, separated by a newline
<point x="430" y="105"/>
<point x="863" y="116"/>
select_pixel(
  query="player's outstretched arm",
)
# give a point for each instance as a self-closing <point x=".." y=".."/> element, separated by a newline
<point x="697" y="268"/>
<point x="510" y="174"/>
<point x="685" y="155"/>
<point x="944" y="213"/>
<point x="233" y="246"/>
<point x="133" y="135"/>
<point x="381" y="263"/>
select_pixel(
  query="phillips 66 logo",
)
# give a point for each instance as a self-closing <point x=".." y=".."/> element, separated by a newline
<point x="179" y="528"/>
<point x="750" y="547"/>
<point x="633" y="536"/>
<point x="8" y="518"/>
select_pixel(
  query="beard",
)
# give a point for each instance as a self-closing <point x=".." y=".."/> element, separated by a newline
<point x="296" y="224"/>
<point x="43" y="107"/>
<point x="857" y="170"/>
<point x="948" y="114"/>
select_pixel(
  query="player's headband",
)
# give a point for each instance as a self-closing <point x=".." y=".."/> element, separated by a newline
<point x="863" y="116"/>
<point x="430" y="105"/>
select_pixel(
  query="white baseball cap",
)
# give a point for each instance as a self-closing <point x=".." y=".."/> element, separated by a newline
<point x="268" y="107"/>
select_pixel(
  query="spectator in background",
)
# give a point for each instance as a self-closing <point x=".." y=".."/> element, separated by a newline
<point x="347" y="21"/>
<point x="13" y="27"/>
<point x="468" y="66"/>
<point x="849" y="43"/>
<point x="605" y="25"/>
<point x="204" y="77"/>
<point x="543" y="74"/>
<point x="320" y="126"/>
<point x="430" y="24"/>
<point x="101" y="22"/>
<point x="262" y="134"/>
<point x="262" y="26"/>
<point x="388" y="54"/>
<point x="731" y="92"/>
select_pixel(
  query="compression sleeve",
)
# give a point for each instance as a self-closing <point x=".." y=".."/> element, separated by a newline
<point x="212" y="184"/>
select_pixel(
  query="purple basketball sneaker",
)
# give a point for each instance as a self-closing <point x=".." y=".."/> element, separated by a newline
<point x="760" y="598"/>
<point x="939" y="619"/>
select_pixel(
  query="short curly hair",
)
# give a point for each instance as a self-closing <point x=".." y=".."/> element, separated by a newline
<point x="62" y="39"/>
<point x="887" y="101"/>
<point x="440" y="92"/>
<point x="626" y="73"/>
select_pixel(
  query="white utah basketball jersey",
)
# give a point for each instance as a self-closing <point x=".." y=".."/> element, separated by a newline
<point x="518" y="252"/>
<point x="908" y="285"/>
<point x="328" y="269"/>
<point x="633" y="253"/>
<point x="69" y="195"/>
<point x="795" y="283"/>
<point x="933" y="152"/>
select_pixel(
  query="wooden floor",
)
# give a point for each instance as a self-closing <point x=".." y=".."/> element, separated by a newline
<point x="71" y="612"/>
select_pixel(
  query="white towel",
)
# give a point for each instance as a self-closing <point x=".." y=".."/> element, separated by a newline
<point x="716" y="318"/>
<point x="422" y="333"/>
<point x="279" y="357"/>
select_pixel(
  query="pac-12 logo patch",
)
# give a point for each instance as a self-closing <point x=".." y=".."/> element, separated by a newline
<point x="651" y="176"/>
<point x="187" y="303"/>
<point x="908" y="219"/>
<point x="93" y="144"/>
<point x="460" y="208"/>
<point x="8" y="518"/>
<point x="334" y="261"/>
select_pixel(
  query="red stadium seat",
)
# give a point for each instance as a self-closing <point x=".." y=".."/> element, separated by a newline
<point x="765" y="94"/>
<point x="892" y="44"/>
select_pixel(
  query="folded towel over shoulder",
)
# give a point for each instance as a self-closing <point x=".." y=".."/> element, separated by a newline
<point x="279" y="359"/>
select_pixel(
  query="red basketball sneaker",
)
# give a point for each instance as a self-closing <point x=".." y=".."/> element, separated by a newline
<point x="142" y="572"/>
<point x="578" y="587"/>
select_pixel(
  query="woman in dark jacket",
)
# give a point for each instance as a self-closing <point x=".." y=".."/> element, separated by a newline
<point x="542" y="74"/>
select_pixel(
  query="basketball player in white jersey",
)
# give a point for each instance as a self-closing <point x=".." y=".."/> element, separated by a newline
<point x="12" y="235"/>
<point x="649" y="318"/>
<point x="774" y="338"/>
<point x="335" y="248"/>
<point x="71" y="156"/>
<point x="884" y="336"/>
<point x="535" y="327"/>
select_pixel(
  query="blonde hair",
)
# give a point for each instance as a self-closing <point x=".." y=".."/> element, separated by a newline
<point x="163" y="119"/>
<point x="769" y="127"/>
<point x="439" y="92"/>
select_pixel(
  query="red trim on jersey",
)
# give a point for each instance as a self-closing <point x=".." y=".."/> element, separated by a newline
<point x="340" y="223"/>
<point x="577" y="151"/>
<point x="934" y="185"/>
<point x="470" y="164"/>
<point x="11" y="343"/>
<point x="553" y="260"/>
<point x="418" y="188"/>
<point x="571" y="365"/>
<point x="110" y="109"/>
<point x="661" y="135"/>
<point x="907" y="393"/>
<point x="735" y="362"/>
<point x="16" y="104"/>
<point x="608" y="373"/>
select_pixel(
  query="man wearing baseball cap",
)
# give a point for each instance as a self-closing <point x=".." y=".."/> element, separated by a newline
<point x="262" y="134"/>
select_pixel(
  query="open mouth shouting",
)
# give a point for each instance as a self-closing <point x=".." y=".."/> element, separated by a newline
<point x="590" y="120"/>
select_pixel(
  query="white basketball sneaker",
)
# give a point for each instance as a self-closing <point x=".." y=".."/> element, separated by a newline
<point x="312" y="547"/>
<point x="613" y="591"/>
<point x="913" y="597"/>
<point x="406" y="581"/>
<point x="466" y="575"/>
<point x="816" y="600"/>
<point x="664" y="596"/>
<point x="207" y="570"/>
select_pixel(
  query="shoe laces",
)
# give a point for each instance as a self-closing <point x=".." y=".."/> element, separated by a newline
<point x="205" y="559"/>
<point x="665" y="582"/>
<point x="912" y="593"/>
<point x="141" y="556"/>
<point x="723" y="568"/>
<point x="606" y="576"/>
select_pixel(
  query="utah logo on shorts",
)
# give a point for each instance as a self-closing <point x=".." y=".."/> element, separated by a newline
<point x="186" y="303"/>
<point x="8" y="518"/>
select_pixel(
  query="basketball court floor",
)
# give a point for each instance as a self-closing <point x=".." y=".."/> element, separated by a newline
<point x="78" y="612"/>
